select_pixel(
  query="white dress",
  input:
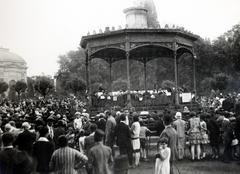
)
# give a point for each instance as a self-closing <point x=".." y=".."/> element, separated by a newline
<point x="135" y="136"/>
<point x="163" y="166"/>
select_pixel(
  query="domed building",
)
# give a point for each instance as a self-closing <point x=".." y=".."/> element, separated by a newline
<point x="12" y="67"/>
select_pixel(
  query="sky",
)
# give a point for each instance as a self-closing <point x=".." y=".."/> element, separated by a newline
<point x="41" y="30"/>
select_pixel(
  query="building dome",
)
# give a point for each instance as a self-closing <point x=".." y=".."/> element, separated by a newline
<point x="7" y="56"/>
<point x="12" y="66"/>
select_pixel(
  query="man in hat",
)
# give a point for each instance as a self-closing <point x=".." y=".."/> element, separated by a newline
<point x="26" y="139"/>
<point x="180" y="126"/>
<point x="100" y="156"/>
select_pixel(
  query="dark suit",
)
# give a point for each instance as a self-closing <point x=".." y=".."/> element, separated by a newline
<point x="170" y="133"/>
<point x="13" y="161"/>
<point x="88" y="144"/>
<point x="42" y="152"/>
<point x="123" y="134"/>
<point x="25" y="141"/>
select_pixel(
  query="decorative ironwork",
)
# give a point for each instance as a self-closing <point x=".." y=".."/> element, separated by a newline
<point x="161" y="44"/>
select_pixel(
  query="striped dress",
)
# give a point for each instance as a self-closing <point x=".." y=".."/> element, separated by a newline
<point x="66" y="160"/>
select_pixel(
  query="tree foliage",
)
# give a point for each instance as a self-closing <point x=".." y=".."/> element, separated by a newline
<point x="220" y="81"/>
<point x="20" y="87"/>
<point x="30" y="87"/>
<point x="76" y="85"/>
<point x="3" y="87"/>
<point x="43" y="85"/>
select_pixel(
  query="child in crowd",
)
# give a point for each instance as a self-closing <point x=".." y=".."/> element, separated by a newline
<point x="162" y="163"/>
<point x="143" y="138"/>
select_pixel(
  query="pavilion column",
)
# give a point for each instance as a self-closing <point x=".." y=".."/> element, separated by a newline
<point x="89" y="91"/>
<point x="110" y="76"/>
<point x="176" y="74"/>
<point x="194" y="77"/>
<point x="128" y="81"/>
<point x="145" y="74"/>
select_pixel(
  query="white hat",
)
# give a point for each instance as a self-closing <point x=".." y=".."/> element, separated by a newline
<point x="78" y="113"/>
<point x="8" y="127"/>
<point x="178" y="115"/>
<point x="26" y="125"/>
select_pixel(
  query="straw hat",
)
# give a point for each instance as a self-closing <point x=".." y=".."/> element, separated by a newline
<point x="178" y="115"/>
<point x="26" y="125"/>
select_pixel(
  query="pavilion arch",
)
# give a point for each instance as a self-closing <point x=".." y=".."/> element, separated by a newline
<point x="109" y="54"/>
<point x="147" y="52"/>
<point x="183" y="50"/>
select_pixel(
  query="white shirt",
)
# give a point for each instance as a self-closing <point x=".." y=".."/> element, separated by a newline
<point x="77" y="123"/>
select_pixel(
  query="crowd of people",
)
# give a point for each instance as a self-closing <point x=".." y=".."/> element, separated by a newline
<point x="58" y="136"/>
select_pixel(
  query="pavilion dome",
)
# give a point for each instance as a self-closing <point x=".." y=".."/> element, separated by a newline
<point x="12" y="67"/>
<point x="7" y="56"/>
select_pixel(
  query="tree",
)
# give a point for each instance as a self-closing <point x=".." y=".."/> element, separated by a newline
<point x="43" y="85"/>
<point x="30" y="87"/>
<point x="76" y="85"/>
<point x="3" y="87"/>
<point x="206" y="86"/>
<point x="220" y="81"/>
<point x="20" y="87"/>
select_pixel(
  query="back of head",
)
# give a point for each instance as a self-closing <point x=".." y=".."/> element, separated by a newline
<point x="167" y="119"/>
<point x="163" y="140"/>
<point x="193" y="114"/>
<point x="93" y="127"/>
<point x="107" y="113"/>
<point x="62" y="141"/>
<point x="122" y="117"/>
<point x="98" y="136"/>
<point x="26" y="126"/>
<point x="43" y="131"/>
<point x="7" y="139"/>
<point x="178" y="115"/>
<point x="60" y="123"/>
<point x="135" y="118"/>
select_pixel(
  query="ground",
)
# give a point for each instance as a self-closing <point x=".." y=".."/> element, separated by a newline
<point x="189" y="167"/>
<point x="186" y="166"/>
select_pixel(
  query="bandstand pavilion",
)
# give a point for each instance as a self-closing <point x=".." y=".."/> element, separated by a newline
<point x="138" y="42"/>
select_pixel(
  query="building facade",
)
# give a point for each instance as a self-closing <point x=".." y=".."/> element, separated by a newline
<point x="13" y="68"/>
